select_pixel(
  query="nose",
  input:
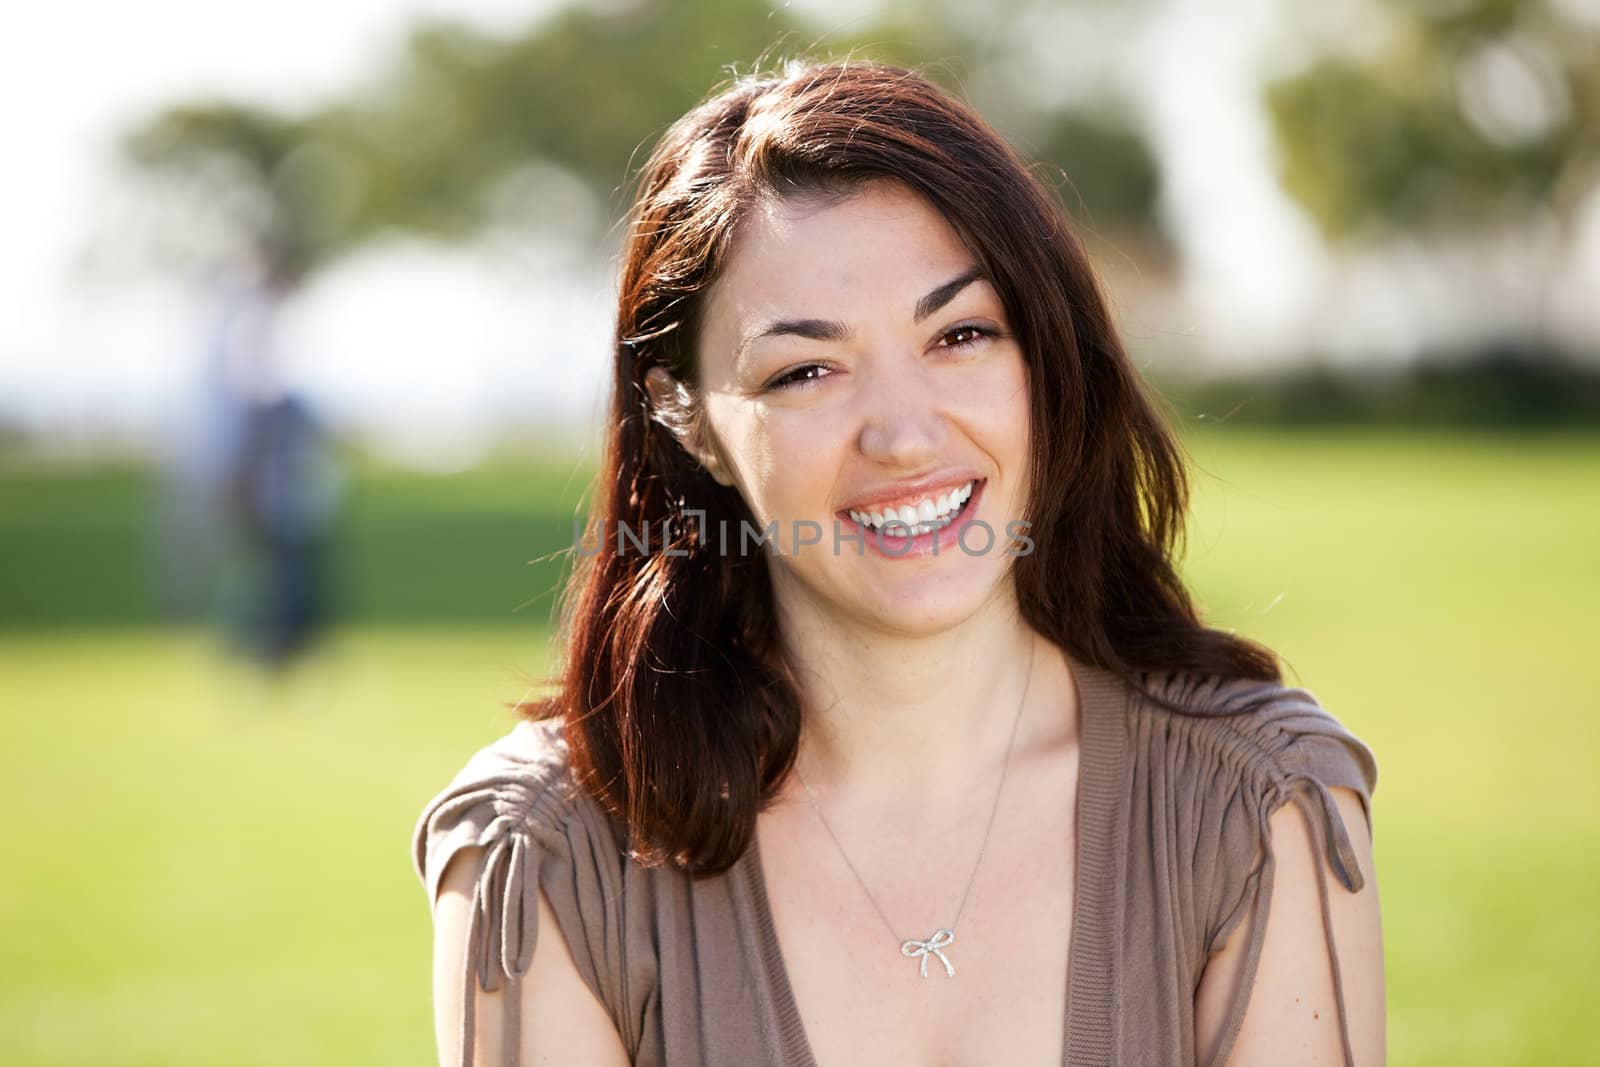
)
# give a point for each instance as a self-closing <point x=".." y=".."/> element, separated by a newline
<point x="903" y="422"/>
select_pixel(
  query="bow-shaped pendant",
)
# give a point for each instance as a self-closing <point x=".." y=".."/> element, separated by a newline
<point x="913" y="949"/>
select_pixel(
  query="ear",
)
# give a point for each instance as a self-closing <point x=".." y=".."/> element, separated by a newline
<point x="673" y="405"/>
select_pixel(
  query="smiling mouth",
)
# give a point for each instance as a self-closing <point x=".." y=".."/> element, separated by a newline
<point x="928" y="515"/>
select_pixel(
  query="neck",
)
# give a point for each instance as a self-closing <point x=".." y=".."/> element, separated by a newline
<point x="916" y="717"/>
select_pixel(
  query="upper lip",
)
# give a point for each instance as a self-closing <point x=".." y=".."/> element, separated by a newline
<point x="913" y="489"/>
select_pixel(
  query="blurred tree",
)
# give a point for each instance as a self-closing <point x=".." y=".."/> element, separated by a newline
<point x="1058" y="80"/>
<point x="469" y="130"/>
<point x="246" y="170"/>
<point x="1462" y="115"/>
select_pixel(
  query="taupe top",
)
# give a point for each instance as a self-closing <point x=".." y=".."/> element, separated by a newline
<point x="1174" y="852"/>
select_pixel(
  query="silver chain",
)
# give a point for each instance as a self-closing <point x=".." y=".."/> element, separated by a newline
<point x="994" y="808"/>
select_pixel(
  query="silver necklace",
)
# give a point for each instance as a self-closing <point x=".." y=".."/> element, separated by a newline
<point x="914" y="948"/>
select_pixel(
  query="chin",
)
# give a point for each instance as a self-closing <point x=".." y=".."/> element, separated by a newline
<point x="932" y="606"/>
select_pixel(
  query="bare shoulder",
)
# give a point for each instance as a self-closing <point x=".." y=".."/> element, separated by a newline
<point x="561" y="1020"/>
<point x="1292" y="1001"/>
<point x="1275" y="819"/>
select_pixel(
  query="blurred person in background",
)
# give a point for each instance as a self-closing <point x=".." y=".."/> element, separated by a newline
<point x="888" y="798"/>
<point x="254" y="481"/>
<point x="282" y="504"/>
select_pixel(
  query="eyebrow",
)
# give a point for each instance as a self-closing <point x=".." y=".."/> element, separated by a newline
<point x="829" y="330"/>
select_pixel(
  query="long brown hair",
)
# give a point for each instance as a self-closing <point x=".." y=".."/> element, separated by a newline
<point x="679" y="718"/>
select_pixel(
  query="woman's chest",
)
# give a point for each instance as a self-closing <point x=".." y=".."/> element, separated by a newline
<point x="995" y="992"/>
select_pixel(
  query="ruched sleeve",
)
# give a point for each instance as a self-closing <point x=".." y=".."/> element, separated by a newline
<point x="1282" y="748"/>
<point x="516" y="801"/>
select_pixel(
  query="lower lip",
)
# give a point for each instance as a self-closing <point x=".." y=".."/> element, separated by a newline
<point x="933" y="543"/>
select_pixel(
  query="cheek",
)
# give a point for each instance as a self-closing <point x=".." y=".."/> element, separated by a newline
<point x="770" y="453"/>
<point x="995" y="397"/>
<point x="795" y="458"/>
<point x="804" y="451"/>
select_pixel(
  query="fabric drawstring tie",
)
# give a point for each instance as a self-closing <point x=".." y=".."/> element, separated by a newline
<point x="505" y="905"/>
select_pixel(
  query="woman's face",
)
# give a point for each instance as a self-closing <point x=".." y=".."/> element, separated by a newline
<point x="853" y="364"/>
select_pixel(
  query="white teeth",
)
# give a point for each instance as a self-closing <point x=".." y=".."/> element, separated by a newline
<point x="927" y="514"/>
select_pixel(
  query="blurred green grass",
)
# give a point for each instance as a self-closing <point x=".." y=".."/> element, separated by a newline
<point x="206" y="869"/>
<point x="475" y="546"/>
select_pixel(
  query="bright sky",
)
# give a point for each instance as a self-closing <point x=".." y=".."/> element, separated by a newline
<point x="73" y="75"/>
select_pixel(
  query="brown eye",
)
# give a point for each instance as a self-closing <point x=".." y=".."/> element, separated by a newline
<point x="804" y="375"/>
<point x="974" y="335"/>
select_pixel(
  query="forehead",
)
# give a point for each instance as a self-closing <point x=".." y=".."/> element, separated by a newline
<point x="879" y="247"/>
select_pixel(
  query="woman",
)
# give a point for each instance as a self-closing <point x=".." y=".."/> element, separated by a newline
<point x="887" y="731"/>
